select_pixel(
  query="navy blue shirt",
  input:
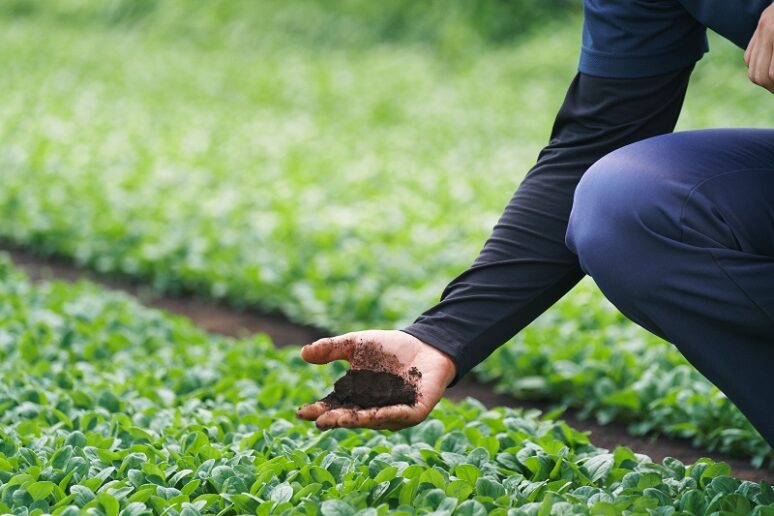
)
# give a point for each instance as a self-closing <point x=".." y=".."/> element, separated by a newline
<point x="642" y="38"/>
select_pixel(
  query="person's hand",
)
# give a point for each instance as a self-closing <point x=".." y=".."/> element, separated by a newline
<point x="759" y="56"/>
<point x="401" y="353"/>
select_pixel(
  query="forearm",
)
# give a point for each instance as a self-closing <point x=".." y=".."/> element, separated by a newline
<point x="525" y="266"/>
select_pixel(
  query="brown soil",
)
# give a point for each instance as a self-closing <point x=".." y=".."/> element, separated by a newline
<point x="375" y="379"/>
<point x="212" y="317"/>
<point x="231" y="322"/>
<point x="370" y="355"/>
<point x="361" y="388"/>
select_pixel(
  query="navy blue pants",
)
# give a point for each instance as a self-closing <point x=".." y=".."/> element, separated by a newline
<point x="678" y="232"/>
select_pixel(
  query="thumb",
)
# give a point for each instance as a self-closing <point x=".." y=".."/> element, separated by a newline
<point x="329" y="349"/>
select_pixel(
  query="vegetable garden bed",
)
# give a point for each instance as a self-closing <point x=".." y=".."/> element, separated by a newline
<point x="283" y="201"/>
<point x="112" y="408"/>
<point x="230" y="322"/>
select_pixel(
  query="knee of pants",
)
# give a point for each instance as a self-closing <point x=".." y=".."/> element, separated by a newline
<point x="621" y="215"/>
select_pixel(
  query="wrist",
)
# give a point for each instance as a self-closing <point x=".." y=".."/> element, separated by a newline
<point x="452" y="370"/>
<point x="449" y="366"/>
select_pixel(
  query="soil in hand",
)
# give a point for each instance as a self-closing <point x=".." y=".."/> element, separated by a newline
<point x="372" y="381"/>
<point x="365" y="389"/>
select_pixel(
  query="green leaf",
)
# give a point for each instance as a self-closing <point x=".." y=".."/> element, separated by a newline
<point x="109" y="401"/>
<point x="281" y="493"/>
<point x="714" y="470"/>
<point x="489" y="487"/>
<point x="659" y="495"/>
<point x="61" y="456"/>
<point x="627" y="399"/>
<point x="732" y="503"/>
<point x="454" y="442"/>
<point x="434" y="477"/>
<point x="460" y="489"/>
<point x="431" y="498"/>
<point x="649" y="479"/>
<point x="761" y="510"/>
<point x="428" y="432"/>
<point x="408" y="491"/>
<point x="599" y="466"/>
<point x="624" y="458"/>
<point x="467" y="472"/>
<point x="109" y="504"/>
<point x="721" y="485"/>
<point x="386" y="474"/>
<point x="470" y="508"/>
<point x="190" y="487"/>
<point x="307" y="490"/>
<point x="604" y="509"/>
<point x="82" y="495"/>
<point x="40" y="490"/>
<point x="336" y="508"/>
<point x="194" y="442"/>
<point x="73" y="511"/>
<point x="322" y="475"/>
<point x="766" y="494"/>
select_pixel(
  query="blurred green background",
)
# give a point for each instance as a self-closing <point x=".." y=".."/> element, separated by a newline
<point x="337" y="160"/>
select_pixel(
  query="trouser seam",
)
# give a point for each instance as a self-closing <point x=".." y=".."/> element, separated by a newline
<point x="701" y="183"/>
<point x="742" y="290"/>
<point x="711" y="250"/>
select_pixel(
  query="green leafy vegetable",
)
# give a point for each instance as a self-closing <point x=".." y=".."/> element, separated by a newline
<point x="193" y="437"/>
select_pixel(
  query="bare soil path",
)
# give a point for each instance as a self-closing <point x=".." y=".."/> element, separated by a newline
<point x="223" y="320"/>
<point x="208" y="315"/>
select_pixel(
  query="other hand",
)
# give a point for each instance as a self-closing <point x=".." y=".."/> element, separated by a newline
<point x="759" y="56"/>
<point x="404" y="352"/>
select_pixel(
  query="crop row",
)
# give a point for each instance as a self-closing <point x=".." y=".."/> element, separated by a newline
<point x="583" y="353"/>
<point x="111" y="408"/>
<point x="344" y="185"/>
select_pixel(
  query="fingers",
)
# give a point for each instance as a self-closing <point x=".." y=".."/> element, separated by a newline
<point x="761" y="64"/>
<point x="312" y="411"/>
<point x="766" y="67"/>
<point x="329" y="349"/>
<point x="771" y="73"/>
<point x="750" y="49"/>
<point x="759" y="55"/>
<point x="393" y="417"/>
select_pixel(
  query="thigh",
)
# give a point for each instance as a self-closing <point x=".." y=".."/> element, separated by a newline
<point x="678" y="233"/>
<point x="730" y="201"/>
<point x="724" y="181"/>
<point x="709" y="188"/>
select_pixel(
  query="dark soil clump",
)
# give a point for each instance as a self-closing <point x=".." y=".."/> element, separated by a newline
<point x="366" y="389"/>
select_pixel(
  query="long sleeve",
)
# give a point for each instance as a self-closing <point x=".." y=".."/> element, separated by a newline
<point x="525" y="266"/>
<point x="644" y="38"/>
<point x="734" y="20"/>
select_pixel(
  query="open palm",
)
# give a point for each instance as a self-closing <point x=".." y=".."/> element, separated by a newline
<point x="404" y="352"/>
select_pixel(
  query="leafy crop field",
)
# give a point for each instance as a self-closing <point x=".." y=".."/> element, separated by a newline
<point x="110" y="408"/>
<point x="585" y="354"/>
<point x="340" y="165"/>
